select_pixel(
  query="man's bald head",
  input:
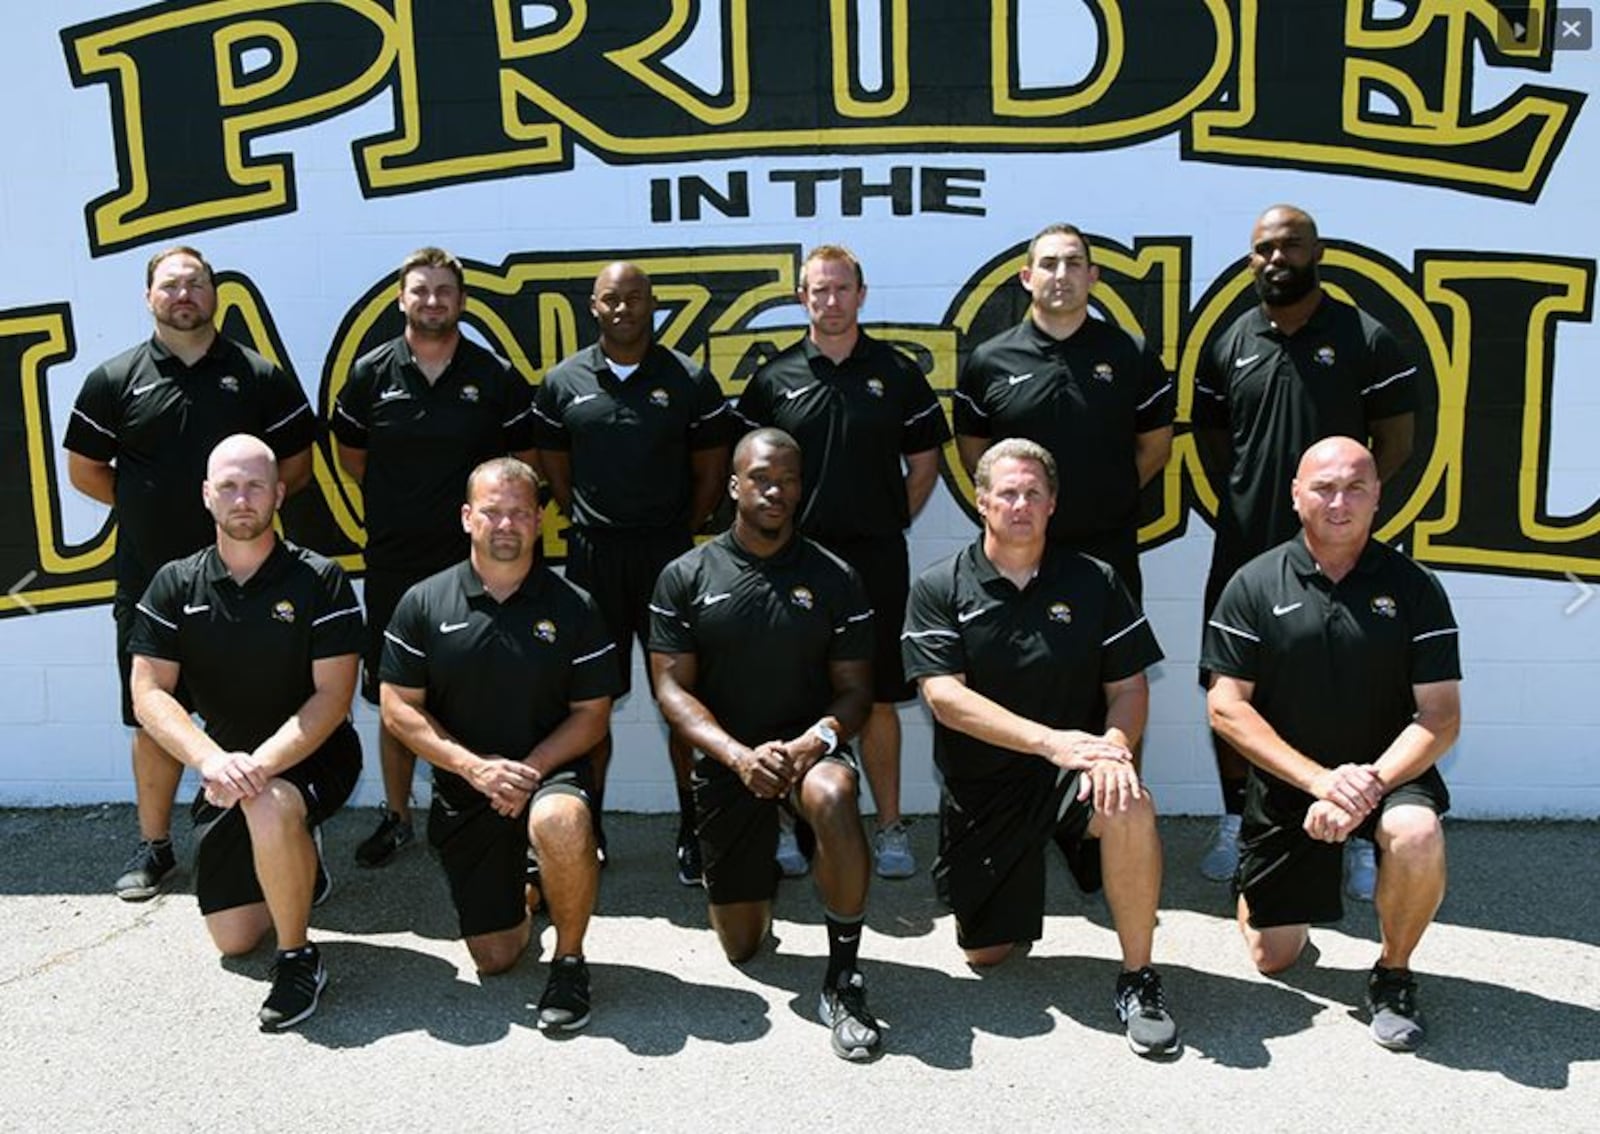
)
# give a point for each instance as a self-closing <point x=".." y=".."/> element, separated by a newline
<point x="241" y="448"/>
<point x="1345" y="451"/>
<point x="622" y="274"/>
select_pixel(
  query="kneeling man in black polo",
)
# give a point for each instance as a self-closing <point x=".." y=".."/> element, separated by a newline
<point x="1032" y="658"/>
<point x="500" y="674"/>
<point x="265" y="636"/>
<point x="761" y="647"/>
<point x="1336" y="673"/>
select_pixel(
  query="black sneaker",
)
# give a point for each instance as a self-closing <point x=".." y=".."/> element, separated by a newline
<point x="1392" y="1001"/>
<point x="564" y="1007"/>
<point x="323" y="886"/>
<point x="297" y="981"/>
<point x="383" y="844"/>
<point x="142" y="877"/>
<point x="843" y="1008"/>
<point x="1142" y="1008"/>
<point x="691" y="872"/>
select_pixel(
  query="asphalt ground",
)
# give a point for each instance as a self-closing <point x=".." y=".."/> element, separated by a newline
<point x="119" y="1017"/>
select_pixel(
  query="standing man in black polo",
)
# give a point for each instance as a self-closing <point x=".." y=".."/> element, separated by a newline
<point x="1032" y="659"/>
<point x="634" y="438"/>
<point x="1336" y="673"/>
<point x="1300" y="367"/>
<point x="1094" y="396"/>
<point x="265" y="636"/>
<point x="870" y="428"/>
<point x="500" y="674"/>
<point x="759" y="642"/>
<point x="140" y="432"/>
<point x="415" y="416"/>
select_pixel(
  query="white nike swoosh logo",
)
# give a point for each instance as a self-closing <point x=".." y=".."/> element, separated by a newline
<point x="1015" y="378"/>
<point x="452" y="627"/>
<point x="391" y="395"/>
<point x="1280" y="611"/>
<point x="201" y="609"/>
<point x="145" y="389"/>
<point x="966" y="616"/>
<point x="791" y="395"/>
<point x="1240" y="363"/>
<point x="579" y="399"/>
<point x="712" y="600"/>
<point x="848" y="940"/>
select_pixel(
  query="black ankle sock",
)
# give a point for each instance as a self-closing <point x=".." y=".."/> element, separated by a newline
<point x="844" y="944"/>
<point x="307" y="950"/>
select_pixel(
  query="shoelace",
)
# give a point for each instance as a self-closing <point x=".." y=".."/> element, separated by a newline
<point x="1148" y="992"/>
<point x="1399" y="995"/>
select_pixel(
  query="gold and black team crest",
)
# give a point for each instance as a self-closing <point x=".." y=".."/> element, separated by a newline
<point x="1103" y="372"/>
<point x="470" y="393"/>
<point x="1325" y="356"/>
<point x="1384" y="605"/>
<point x="659" y="397"/>
<point x="802" y="597"/>
<point x="229" y="383"/>
<point x="1061" y="612"/>
<point x="545" y="630"/>
<point x="875" y="387"/>
<point x="283" y="611"/>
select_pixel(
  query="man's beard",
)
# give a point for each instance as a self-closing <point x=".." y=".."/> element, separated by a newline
<point x="1301" y="282"/>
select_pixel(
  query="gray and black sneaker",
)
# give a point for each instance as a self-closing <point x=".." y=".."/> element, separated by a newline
<point x="843" y="1007"/>
<point x="142" y="877"/>
<point x="1142" y="1008"/>
<point x="383" y="844"/>
<point x="564" y="1007"/>
<point x="298" y="979"/>
<point x="1392" y="1002"/>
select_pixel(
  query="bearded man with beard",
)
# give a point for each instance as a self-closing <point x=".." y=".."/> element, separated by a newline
<point x="1299" y="367"/>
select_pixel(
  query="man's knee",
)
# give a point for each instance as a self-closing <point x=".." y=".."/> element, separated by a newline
<point x="279" y="807"/>
<point x="989" y="955"/>
<point x="741" y="928"/>
<point x="828" y="794"/>
<point x="1411" y="835"/>
<point x="560" y="826"/>
<point x="238" y="932"/>
<point x="495" y="953"/>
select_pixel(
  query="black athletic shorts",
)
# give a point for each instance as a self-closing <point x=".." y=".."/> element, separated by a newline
<point x="1288" y="877"/>
<point x="619" y="569"/>
<point x="738" y="832"/>
<point x="886" y="576"/>
<point x="990" y="871"/>
<point x="485" y="854"/>
<point x="123" y="612"/>
<point x="224" y="858"/>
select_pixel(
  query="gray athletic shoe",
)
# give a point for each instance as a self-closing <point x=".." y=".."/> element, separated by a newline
<point x="146" y="871"/>
<point x="1360" y="869"/>
<point x="856" y="1035"/>
<point x="564" y="1007"/>
<point x="891" y="848"/>
<point x="1142" y="1008"/>
<point x="791" y="862"/>
<point x="1221" y="859"/>
<point x="1392" y="1002"/>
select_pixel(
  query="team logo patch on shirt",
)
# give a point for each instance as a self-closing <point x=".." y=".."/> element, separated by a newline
<point x="1324" y="356"/>
<point x="659" y="397"/>
<point x="1384" y="605"/>
<point x="283" y="610"/>
<point x="544" y="630"/>
<point x="802" y="597"/>
<point x="470" y="393"/>
<point x="229" y="383"/>
<point x="875" y="387"/>
<point x="1103" y="372"/>
<point x="1061" y="612"/>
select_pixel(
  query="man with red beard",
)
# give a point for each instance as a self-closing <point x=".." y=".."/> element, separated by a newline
<point x="265" y="636"/>
<point x="1299" y="367"/>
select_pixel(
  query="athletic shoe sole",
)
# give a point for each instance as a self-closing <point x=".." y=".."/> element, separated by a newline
<point x="316" y="998"/>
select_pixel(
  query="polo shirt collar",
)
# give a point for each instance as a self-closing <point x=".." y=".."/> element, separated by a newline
<point x="161" y="352"/>
<point x="600" y="365"/>
<point x="472" y="586"/>
<point x="1305" y="566"/>
<point x="986" y="573"/>
<point x="214" y="570"/>
<point x="859" y="351"/>
<point x="788" y="553"/>
<point x="1043" y="340"/>
<point x="1262" y="325"/>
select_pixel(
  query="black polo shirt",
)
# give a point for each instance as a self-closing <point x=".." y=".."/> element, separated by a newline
<point x="763" y="631"/>
<point x="1277" y="395"/>
<point x="1333" y="663"/>
<point x="158" y="420"/>
<point x="1045" y="652"/>
<point x="630" y="438"/>
<point x="421" y="440"/>
<point x="1084" y="398"/>
<point x="246" y="650"/>
<point x="853" y="422"/>
<point x="499" y="677"/>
